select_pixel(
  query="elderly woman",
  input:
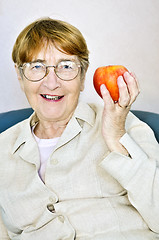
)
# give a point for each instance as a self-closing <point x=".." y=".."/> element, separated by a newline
<point x="75" y="170"/>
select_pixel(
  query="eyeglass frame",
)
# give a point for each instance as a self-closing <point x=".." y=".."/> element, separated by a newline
<point x="47" y="72"/>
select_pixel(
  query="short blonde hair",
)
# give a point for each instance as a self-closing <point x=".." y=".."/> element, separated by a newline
<point x="62" y="34"/>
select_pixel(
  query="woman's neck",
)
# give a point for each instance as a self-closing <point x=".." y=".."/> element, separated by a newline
<point x="45" y="130"/>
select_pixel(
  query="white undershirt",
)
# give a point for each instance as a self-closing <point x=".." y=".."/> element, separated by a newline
<point x="46" y="146"/>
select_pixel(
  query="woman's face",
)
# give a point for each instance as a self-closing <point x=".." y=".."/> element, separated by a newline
<point x="52" y="98"/>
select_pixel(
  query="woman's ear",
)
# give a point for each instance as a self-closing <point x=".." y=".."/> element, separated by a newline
<point x="20" y="77"/>
<point x="82" y="84"/>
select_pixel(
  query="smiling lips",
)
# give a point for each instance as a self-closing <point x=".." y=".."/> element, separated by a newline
<point x="51" y="97"/>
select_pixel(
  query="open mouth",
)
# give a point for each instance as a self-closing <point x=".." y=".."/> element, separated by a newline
<point x="52" y="98"/>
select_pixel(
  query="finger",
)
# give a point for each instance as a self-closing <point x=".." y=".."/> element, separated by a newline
<point x="106" y="95"/>
<point x="135" y="78"/>
<point x="131" y="80"/>
<point x="132" y="85"/>
<point x="124" y="97"/>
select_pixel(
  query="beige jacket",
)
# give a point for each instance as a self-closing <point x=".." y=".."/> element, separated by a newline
<point x="89" y="193"/>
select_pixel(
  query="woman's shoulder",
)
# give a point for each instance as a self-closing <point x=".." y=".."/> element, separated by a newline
<point x="133" y="121"/>
<point x="10" y="136"/>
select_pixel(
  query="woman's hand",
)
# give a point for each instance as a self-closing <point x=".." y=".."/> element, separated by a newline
<point x="115" y="113"/>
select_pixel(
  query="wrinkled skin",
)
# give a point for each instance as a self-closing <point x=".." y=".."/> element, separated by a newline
<point x="115" y="113"/>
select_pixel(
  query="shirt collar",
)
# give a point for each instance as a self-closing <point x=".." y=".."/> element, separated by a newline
<point x="83" y="113"/>
<point x="24" y="131"/>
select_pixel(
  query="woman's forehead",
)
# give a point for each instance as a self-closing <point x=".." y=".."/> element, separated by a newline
<point x="50" y="51"/>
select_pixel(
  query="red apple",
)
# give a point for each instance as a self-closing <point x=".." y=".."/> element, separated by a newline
<point x="108" y="75"/>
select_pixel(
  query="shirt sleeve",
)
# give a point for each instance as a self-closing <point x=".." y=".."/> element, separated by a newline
<point x="139" y="175"/>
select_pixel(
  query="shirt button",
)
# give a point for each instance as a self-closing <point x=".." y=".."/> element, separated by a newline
<point x="34" y="225"/>
<point x="51" y="208"/>
<point x="61" y="218"/>
<point x="55" y="161"/>
<point x="52" y="199"/>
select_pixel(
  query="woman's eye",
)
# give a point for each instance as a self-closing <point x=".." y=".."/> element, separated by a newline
<point x="37" y="67"/>
<point x="66" y="66"/>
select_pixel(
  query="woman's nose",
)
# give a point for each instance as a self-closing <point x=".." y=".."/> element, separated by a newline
<point x="51" y="81"/>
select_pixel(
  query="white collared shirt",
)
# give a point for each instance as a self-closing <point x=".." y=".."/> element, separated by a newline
<point x="46" y="147"/>
<point x="89" y="193"/>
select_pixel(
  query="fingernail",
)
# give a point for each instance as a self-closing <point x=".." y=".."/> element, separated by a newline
<point x="126" y="73"/>
<point x="120" y="79"/>
<point x="103" y="88"/>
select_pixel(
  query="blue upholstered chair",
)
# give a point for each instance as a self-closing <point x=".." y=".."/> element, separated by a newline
<point x="10" y="118"/>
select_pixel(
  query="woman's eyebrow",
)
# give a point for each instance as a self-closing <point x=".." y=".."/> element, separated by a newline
<point x="59" y="60"/>
<point x="72" y="59"/>
<point x="38" y="60"/>
<point x="66" y="59"/>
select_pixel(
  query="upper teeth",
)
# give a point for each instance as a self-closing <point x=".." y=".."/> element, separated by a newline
<point x="51" y="97"/>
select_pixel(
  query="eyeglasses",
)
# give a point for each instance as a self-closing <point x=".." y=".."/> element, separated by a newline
<point x="65" y="70"/>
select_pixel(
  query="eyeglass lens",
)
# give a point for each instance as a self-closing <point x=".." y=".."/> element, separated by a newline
<point x="65" y="70"/>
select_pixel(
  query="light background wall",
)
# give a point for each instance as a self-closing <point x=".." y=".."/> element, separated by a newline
<point x="124" y="32"/>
